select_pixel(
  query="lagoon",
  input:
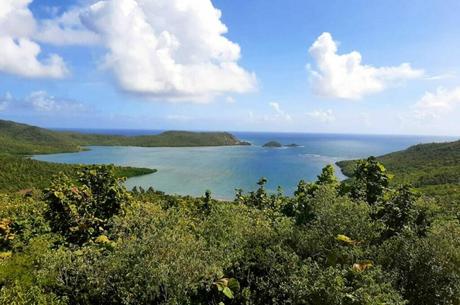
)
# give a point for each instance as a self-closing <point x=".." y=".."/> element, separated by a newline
<point x="192" y="171"/>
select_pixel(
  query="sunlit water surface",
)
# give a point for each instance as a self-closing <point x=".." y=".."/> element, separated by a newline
<point x="192" y="171"/>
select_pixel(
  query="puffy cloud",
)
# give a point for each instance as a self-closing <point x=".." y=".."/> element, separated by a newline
<point x="324" y="116"/>
<point x="18" y="53"/>
<point x="344" y="76"/>
<point x="435" y="104"/>
<point x="279" y="112"/>
<point x="168" y="48"/>
<point x="66" y="29"/>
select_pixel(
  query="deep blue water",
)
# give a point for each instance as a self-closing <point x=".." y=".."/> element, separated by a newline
<point x="191" y="171"/>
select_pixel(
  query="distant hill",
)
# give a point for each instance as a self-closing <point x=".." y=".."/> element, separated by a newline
<point x="165" y="139"/>
<point x="19" y="138"/>
<point x="433" y="168"/>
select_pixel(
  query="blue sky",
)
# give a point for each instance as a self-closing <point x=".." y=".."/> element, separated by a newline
<point x="282" y="65"/>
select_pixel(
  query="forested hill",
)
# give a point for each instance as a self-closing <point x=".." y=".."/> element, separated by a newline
<point x="25" y="139"/>
<point x="434" y="168"/>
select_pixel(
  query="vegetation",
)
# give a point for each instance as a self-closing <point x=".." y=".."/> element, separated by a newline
<point x="165" y="139"/>
<point x="19" y="173"/>
<point x="273" y="144"/>
<point x="25" y="139"/>
<point x="81" y="238"/>
<point x="19" y="140"/>
<point x="87" y="240"/>
<point x="434" y="169"/>
<point x="292" y="145"/>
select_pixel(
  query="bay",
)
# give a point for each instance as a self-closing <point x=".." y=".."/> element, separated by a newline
<point x="192" y="171"/>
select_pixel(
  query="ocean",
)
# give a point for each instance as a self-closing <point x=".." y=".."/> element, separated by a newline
<point x="192" y="171"/>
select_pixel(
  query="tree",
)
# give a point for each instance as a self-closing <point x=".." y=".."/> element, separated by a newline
<point x="398" y="212"/>
<point x="302" y="207"/>
<point x="327" y="176"/>
<point x="370" y="180"/>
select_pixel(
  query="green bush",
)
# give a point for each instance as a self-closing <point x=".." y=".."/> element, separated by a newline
<point x="81" y="209"/>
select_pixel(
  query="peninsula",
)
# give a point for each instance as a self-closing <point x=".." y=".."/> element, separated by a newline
<point x="26" y="139"/>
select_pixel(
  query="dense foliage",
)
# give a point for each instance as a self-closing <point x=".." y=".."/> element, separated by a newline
<point x="81" y="209"/>
<point x="87" y="241"/>
<point x="432" y="168"/>
<point x="19" y="173"/>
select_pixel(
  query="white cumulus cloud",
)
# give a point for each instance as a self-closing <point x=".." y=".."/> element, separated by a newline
<point x="18" y="52"/>
<point x="324" y="116"/>
<point x="345" y="76"/>
<point x="435" y="104"/>
<point x="174" y="49"/>
<point x="66" y="29"/>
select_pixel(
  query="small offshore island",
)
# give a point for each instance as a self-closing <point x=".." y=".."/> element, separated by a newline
<point x="273" y="144"/>
<point x="276" y="144"/>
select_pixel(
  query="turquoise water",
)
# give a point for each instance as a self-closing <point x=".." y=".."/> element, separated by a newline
<point x="191" y="171"/>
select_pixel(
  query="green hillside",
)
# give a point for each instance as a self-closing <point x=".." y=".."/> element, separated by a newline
<point x="25" y="139"/>
<point x="165" y="139"/>
<point x="433" y="168"/>
<point x="19" y="138"/>
<point x="18" y="173"/>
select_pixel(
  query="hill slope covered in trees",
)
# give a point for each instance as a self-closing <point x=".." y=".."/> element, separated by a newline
<point x="433" y="168"/>
<point x="18" y="172"/>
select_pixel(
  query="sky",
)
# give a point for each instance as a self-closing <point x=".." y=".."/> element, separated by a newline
<point x="357" y="66"/>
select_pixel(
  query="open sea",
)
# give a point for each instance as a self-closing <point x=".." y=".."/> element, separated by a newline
<point x="192" y="171"/>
